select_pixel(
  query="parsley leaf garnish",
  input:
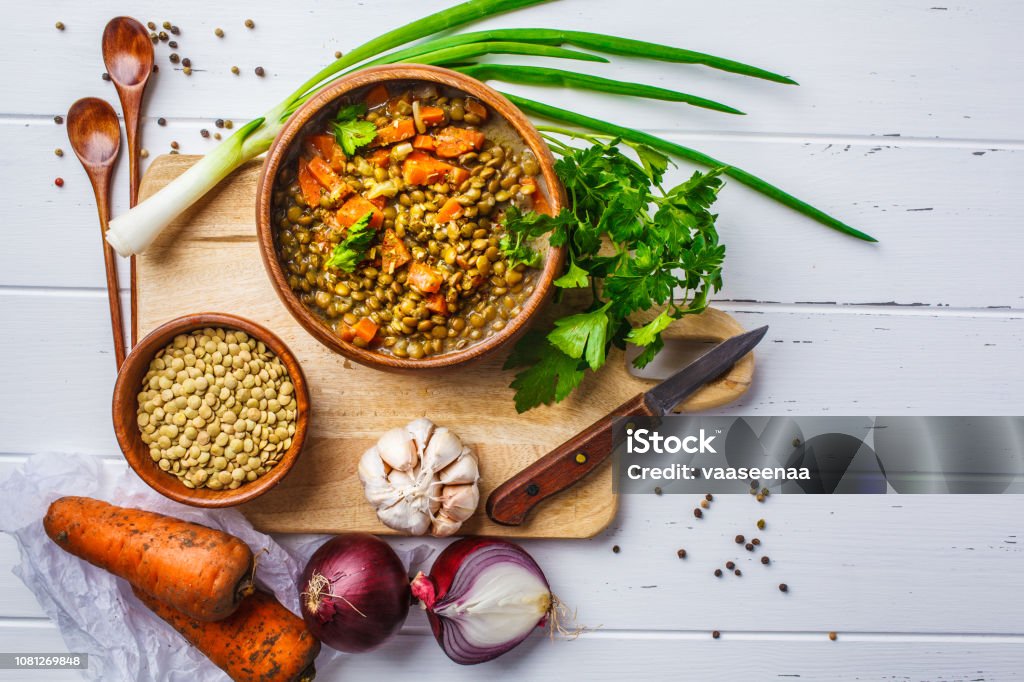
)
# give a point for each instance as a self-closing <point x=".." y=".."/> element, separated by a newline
<point x="351" y="251"/>
<point x="635" y="245"/>
<point x="351" y="131"/>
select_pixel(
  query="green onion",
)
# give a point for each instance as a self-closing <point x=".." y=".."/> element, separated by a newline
<point x="462" y="53"/>
<point x="640" y="137"/>
<point x="534" y="75"/>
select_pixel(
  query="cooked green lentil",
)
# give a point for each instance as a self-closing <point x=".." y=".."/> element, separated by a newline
<point x="434" y="279"/>
<point x="217" y="409"/>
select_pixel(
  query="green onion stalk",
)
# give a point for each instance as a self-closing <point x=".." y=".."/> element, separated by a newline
<point x="133" y="232"/>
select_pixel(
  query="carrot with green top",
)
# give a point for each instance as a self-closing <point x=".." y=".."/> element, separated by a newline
<point x="200" y="571"/>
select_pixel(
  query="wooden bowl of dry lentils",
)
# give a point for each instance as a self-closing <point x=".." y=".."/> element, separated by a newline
<point x="211" y="409"/>
<point x="381" y="209"/>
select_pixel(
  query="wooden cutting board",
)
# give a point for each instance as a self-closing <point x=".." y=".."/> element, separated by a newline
<point x="207" y="261"/>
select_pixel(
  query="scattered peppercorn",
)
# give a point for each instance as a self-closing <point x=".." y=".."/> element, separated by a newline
<point x="204" y="132"/>
<point x="59" y="182"/>
<point x="161" y="121"/>
<point x="59" y="25"/>
<point x="832" y="636"/>
<point x="755" y="483"/>
<point x="260" y="72"/>
<point x="174" y="58"/>
<point x="709" y="497"/>
<point x="166" y="24"/>
<point x="58" y="151"/>
<point x="249" y="23"/>
<point x="162" y="35"/>
<point x="219" y="32"/>
<point x="681" y="553"/>
<point x="155" y="68"/>
<point x="154" y="37"/>
<point x="175" y="30"/>
<point x="765" y="560"/>
<point x="150" y="25"/>
<point x="740" y="539"/>
<point x="187" y="70"/>
<point x="616" y="549"/>
<point x="698" y="513"/>
<point x="730" y="565"/>
<point x="718" y="573"/>
<point x="216" y="136"/>
<point x="760" y="497"/>
<point x="58" y="119"/>
<point x="174" y="144"/>
<point x="704" y="504"/>
<point x="796" y="442"/>
<point x="144" y="153"/>
<point x="657" y="490"/>
<point x="766" y="492"/>
<point x="105" y="76"/>
<point x="716" y="634"/>
<point x="173" y="44"/>
<point x="750" y="546"/>
<point x="755" y="542"/>
<point x="235" y="70"/>
<point x="186" y="62"/>
<point x="738" y="572"/>
<point x="337" y="54"/>
<point x="219" y="123"/>
<point x="229" y="124"/>
<point x="760" y="524"/>
<point x="783" y="587"/>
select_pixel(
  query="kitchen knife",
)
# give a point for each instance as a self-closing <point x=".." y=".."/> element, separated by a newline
<point x="512" y="501"/>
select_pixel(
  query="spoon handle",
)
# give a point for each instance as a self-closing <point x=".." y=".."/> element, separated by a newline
<point x="131" y="125"/>
<point x="101" y="188"/>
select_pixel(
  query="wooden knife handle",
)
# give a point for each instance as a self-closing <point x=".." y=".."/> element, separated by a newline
<point x="511" y="501"/>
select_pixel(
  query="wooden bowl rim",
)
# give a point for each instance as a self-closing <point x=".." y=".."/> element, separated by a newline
<point x="125" y="405"/>
<point x="279" y="150"/>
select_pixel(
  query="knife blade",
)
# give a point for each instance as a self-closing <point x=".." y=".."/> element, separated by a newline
<point x="511" y="502"/>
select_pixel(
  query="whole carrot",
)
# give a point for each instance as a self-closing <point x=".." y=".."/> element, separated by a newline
<point x="200" y="571"/>
<point x="260" y="642"/>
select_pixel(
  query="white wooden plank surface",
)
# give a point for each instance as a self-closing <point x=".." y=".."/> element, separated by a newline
<point x="919" y="587"/>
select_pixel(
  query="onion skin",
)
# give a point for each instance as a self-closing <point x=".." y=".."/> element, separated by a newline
<point x="433" y="589"/>
<point x="366" y="598"/>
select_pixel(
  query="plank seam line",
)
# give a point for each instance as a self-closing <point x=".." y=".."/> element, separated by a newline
<point x="37" y="622"/>
<point x="729" y="305"/>
<point x="835" y="139"/>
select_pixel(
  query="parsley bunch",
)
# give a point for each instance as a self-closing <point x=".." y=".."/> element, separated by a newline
<point x="351" y="131"/>
<point x="351" y="251"/>
<point x="634" y="244"/>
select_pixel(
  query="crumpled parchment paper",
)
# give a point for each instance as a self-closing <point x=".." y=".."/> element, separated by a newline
<point x="96" y="612"/>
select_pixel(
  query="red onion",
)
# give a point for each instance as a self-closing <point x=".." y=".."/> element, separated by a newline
<point x="483" y="597"/>
<point x="355" y="592"/>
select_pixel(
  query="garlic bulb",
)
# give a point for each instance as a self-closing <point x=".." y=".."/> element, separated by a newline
<point x="421" y="478"/>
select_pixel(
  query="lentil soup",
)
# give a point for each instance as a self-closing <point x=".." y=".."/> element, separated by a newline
<point x="387" y="219"/>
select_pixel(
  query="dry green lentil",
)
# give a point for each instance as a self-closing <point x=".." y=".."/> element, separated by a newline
<point x="205" y="432"/>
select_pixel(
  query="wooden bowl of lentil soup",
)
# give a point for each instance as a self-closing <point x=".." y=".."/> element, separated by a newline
<point x="211" y="409"/>
<point x="380" y="209"/>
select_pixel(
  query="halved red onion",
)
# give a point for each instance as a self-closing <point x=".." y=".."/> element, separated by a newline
<point x="483" y="597"/>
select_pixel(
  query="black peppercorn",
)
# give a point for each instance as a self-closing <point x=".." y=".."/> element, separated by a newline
<point x="716" y="634"/>
<point x="740" y="539"/>
<point x="783" y="587"/>
<point x="718" y="573"/>
<point x="749" y="546"/>
<point x="58" y="119"/>
<point x="681" y="553"/>
<point x="174" y="58"/>
<point x="738" y="572"/>
<point x="657" y="490"/>
<point x="765" y="560"/>
<point x="260" y="72"/>
<point x="709" y="497"/>
<point x="698" y="513"/>
<point x="730" y="565"/>
<point x="105" y="76"/>
<point x="616" y="549"/>
<point x="755" y="541"/>
<point x="219" y="123"/>
<point x="186" y="62"/>
<point x="204" y="132"/>
<point x="161" y="121"/>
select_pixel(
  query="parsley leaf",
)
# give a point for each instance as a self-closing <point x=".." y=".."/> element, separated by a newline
<point x="645" y="335"/>
<point x="351" y="251"/>
<point x="551" y="375"/>
<point x="574" y="278"/>
<point x="351" y="131"/>
<point x="583" y="336"/>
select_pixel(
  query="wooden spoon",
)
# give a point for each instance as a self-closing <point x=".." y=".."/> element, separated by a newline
<point x="95" y="135"/>
<point x="128" y="56"/>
